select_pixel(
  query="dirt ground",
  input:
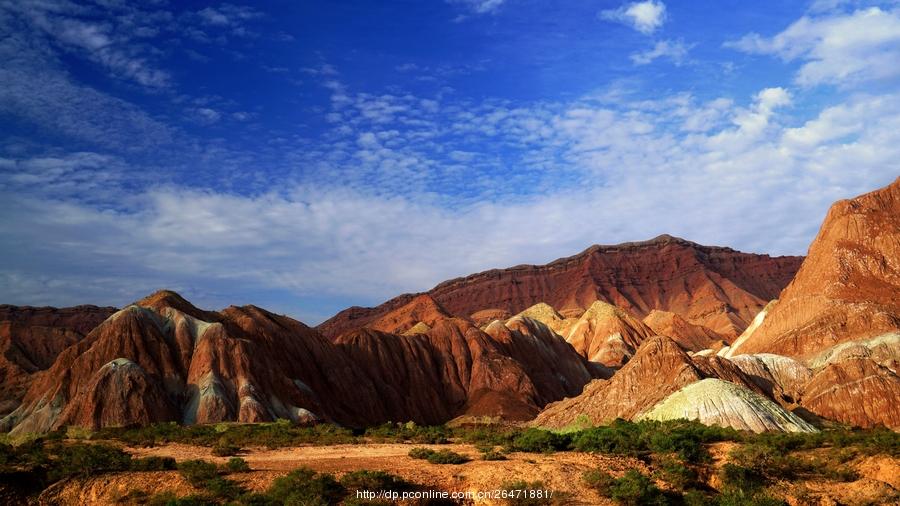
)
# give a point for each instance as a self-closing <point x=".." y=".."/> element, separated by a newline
<point x="560" y="472"/>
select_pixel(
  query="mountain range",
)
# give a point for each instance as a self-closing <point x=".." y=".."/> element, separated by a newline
<point x="658" y="329"/>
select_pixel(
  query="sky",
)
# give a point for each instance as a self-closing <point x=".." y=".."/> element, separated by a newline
<point x="308" y="156"/>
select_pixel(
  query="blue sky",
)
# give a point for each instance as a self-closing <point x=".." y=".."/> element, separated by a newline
<point x="308" y="156"/>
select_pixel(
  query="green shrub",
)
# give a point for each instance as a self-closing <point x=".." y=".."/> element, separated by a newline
<point x="698" y="498"/>
<point x="305" y="487"/>
<point x="493" y="455"/>
<point x="742" y="480"/>
<point x="677" y="474"/>
<point x="733" y="498"/>
<point x="421" y="453"/>
<point x="86" y="460"/>
<point x="223" y="488"/>
<point x="770" y="461"/>
<point x="540" y="441"/>
<point x="635" y="489"/>
<point x="447" y="457"/>
<point x="621" y="437"/>
<point x="599" y="480"/>
<point x="223" y="449"/>
<point x="237" y="465"/>
<point x="487" y="435"/>
<point x="198" y="472"/>
<point x="153" y="463"/>
<point x="372" y="480"/>
<point x="170" y="499"/>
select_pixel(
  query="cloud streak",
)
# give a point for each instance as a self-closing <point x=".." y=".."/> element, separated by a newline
<point x="645" y="17"/>
<point x="843" y="49"/>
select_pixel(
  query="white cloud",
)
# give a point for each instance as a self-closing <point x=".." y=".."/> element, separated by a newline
<point x="842" y="49"/>
<point x="480" y="6"/>
<point x="645" y="17"/>
<point x="110" y="44"/>
<point x="675" y="50"/>
<point x="637" y="169"/>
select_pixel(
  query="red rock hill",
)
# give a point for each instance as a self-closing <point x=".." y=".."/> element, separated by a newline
<point x="716" y="287"/>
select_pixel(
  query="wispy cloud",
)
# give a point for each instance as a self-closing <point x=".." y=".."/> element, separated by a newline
<point x="842" y="49"/>
<point x="113" y="44"/>
<point x="645" y="17"/>
<point x="371" y="238"/>
<point x="675" y="50"/>
<point x="479" y="6"/>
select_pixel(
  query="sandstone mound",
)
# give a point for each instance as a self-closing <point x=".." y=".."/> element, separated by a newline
<point x="846" y="288"/>
<point x="607" y="334"/>
<point x="713" y="401"/>
<point x="718" y="288"/>
<point x="543" y="313"/>
<point x="688" y="335"/>
<point x="421" y="309"/>
<point x="659" y="368"/>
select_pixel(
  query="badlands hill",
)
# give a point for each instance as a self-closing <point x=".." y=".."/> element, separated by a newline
<point x="162" y="359"/>
<point x="718" y="288"/>
<point x="655" y="330"/>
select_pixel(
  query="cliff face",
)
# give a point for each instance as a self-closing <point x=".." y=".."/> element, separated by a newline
<point x="848" y="288"/>
<point x="719" y="288"/>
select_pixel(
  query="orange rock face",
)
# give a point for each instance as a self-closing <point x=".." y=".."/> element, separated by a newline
<point x="167" y="360"/>
<point x="32" y="337"/>
<point x="855" y="391"/>
<point x="848" y="287"/>
<point x="421" y="308"/>
<point x="719" y="288"/>
<point x="688" y="335"/>
<point x="607" y="335"/>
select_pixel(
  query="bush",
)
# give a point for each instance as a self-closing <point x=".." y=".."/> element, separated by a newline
<point x="733" y="498"/>
<point x="541" y="441"/>
<point x="372" y="480"/>
<point x="223" y="488"/>
<point x="198" y="472"/>
<point x="635" y="489"/>
<point x="619" y="438"/>
<point x="305" y="486"/>
<point x="447" y="457"/>
<point x="677" y="474"/>
<point x="421" y="453"/>
<point x="769" y="461"/>
<point x="493" y="455"/>
<point x="86" y="460"/>
<point x="153" y="464"/>
<point x="599" y="480"/>
<point x="237" y="465"/>
<point x="223" y="449"/>
<point x="742" y="480"/>
<point x="170" y="499"/>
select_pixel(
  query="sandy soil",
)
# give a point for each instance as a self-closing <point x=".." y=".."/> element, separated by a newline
<point x="561" y="472"/>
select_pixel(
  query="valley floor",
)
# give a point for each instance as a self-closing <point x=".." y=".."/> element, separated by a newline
<point x="877" y="478"/>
